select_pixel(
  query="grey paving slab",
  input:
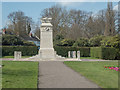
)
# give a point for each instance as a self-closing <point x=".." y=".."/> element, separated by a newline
<point x="57" y="75"/>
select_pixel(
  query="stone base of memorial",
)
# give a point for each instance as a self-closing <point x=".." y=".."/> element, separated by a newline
<point x="46" y="53"/>
<point x="46" y="40"/>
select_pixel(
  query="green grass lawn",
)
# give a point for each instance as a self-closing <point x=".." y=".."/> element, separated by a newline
<point x="96" y="72"/>
<point x="31" y="56"/>
<point x="88" y="58"/>
<point x="16" y="74"/>
<point x="13" y="56"/>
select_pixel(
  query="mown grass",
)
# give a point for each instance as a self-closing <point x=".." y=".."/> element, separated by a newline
<point x="13" y="56"/>
<point x="88" y="58"/>
<point x="30" y="56"/>
<point x="16" y="74"/>
<point x="96" y="72"/>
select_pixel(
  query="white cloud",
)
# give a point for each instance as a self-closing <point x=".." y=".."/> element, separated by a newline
<point x="59" y="1"/>
<point x="115" y="8"/>
<point x="65" y="3"/>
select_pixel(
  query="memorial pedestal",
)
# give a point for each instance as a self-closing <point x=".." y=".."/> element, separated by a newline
<point x="46" y="50"/>
<point x="46" y="53"/>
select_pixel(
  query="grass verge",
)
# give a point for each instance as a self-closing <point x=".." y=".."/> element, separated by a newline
<point x="17" y="74"/>
<point x="88" y="58"/>
<point x="30" y="56"/>
<point x="13" y="56"/>
<point x="96" y="72"/>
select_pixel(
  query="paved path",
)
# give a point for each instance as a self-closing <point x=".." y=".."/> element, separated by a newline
<point x="57" y="75"/>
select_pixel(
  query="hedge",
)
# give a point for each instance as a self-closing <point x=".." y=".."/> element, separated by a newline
<point x="26" y="50"/>
<point x="103" y="52"/>
<point x="33" y="50"/>
<point x="63" y="51"/>
<point x="99" y="52"/>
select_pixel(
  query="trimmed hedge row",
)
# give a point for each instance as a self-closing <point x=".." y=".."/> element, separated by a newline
<point x="99" y="52"/>
<point x="26" y="50"/>
<point x="96" y="52"/>
<point x="63" y="51"/>
<point x="103" y="52"/>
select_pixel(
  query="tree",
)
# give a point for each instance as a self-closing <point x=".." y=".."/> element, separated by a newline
<point x="95" y="24"/>
<point x="99" y="22"/>
<point x="77" y="22"/>
<point x="111" y="41"/>
<point x="67" y="42"/>
<point x="37" y="31"/>
<point x="59" y="17"/>
<point x="20" y="23"/>
<point x="59" y="37"/>
<point x="90" y="27"/>
<point x="96" y="41"/>
<point x="57" y="40"/>
<point x="110" y="21"/>
<point x="81" y="42"/>
<point x="11" y="40"/>
<point x="74" y="24"/>
<point x="75" y="32"/>
<point x="119" y="18"/>
<point x="28" y="28"/>
<point x="14" y="40"/>
<point x="54" y="13"/>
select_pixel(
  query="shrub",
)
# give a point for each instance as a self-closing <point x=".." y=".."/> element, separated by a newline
<point x="67" y="42"/>
<point x="103" y="52"/>
<point x="11" y="40"/>
<point x="26" y="43"/>
<point x="57" y="40"/>
<point x="114" y="41"/>
<point x="105" y="40"/>
<point x="57" y="43"/>
<point x="26" y="50"/>
<point x="117" y="54"/>
<point x="63" y="51"/>
<point x="96" y="41"/>
<point x="111" y="41"/>
<point x="59" y="37"/>
<point x="81" y="42"/>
